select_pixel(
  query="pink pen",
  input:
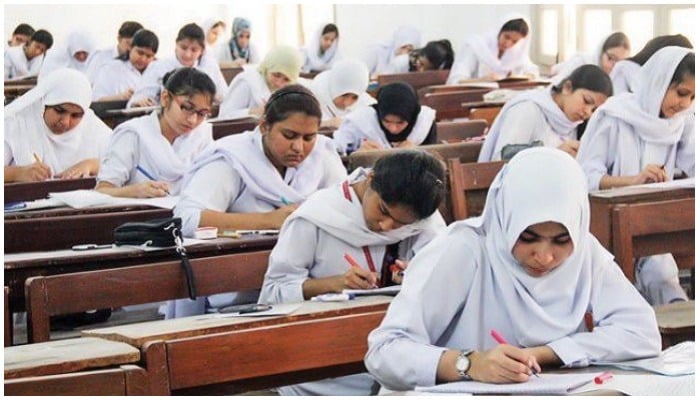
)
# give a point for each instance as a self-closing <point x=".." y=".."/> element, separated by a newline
<point x="600" y="379"/>
<point x="498" y="338"/>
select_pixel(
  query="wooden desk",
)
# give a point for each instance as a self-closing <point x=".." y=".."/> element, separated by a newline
<point x="20" y="266"/>
<point x="448" y="104"/>
<point x="27" y="191"/>
<point x="417" y="80"/>
<point x="224" y="127"/>
<point x="676" y="322"/>
<point x="603" y="202"/>
<point x="230" y="72"/>
<point x="139" y="334"/>
<point x="69" y="355"/>
<point x="115" y="117"/>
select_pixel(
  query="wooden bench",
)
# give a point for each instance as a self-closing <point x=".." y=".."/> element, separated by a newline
<point x="650" y="228"/>
<point x="230" y="72"/>
<point x="27" y="191"/>
<point x="224" y="127"/>
<point x="111" y="288"/>
<point x="676" y="322"/>
<point x="451" y="132"/>
<point x="469" y="185"/>
<point x="417" y="80"/>
<point x="448" y="105"/>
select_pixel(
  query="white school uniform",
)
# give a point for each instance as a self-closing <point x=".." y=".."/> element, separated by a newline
<point x="313" y="60"/>
<point x="528" y="117"/>
<point x="478" y="56"/>
<point x="347" y="76"/>
<point x="18" y="66"/>
<point x="98" y="59"/>
<point x="234" y="175"/>
<point x="114" y="77"/>
<point x="626" y="134"/>
<point x="62" y="56"/>
<point x="380" y="57"/>
<point x="466" y="282"/>
<point x="364" y="124"/>
<point x="330" y="225"/>
<point x="223" y="53"/>
<point x="140" y="142"/>
<point x="622" y="75"/>
<point x="26" y="132"/>
<point x="247" y="90"/>
<point x="151" y="81"/>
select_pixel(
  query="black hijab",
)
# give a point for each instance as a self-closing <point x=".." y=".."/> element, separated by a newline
<point x="400" y="99"/>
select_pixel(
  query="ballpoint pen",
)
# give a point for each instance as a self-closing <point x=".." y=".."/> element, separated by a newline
<point x="498" y="338"/>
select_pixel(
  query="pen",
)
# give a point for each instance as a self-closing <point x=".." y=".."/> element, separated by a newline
<point x="600" y="379"/>
<point x="498" y="338"/>
<point x="285" y="201"/>
<point x="36" y="158"/>
<point x="149" y="176"/>
<point x="352" y="262"/>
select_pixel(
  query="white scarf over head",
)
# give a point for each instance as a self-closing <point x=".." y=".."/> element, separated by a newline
<point x="642" y="137"/>
<point x="542" y="97"/>
<point x="346" y="76"/>
<point x="556" y="302"/>
<point x="314" y="59"/>
<point x="63" y="56"/>
<point x="402" y="36"/>
<point x="333" y="213"/>
<point x="364" y="124"/>
<point x="244" y="152"/>
<point x="27" y="133"/>
<point x="485" y="47"/>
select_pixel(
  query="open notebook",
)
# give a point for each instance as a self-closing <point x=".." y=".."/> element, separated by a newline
<point x="552" y="384"/>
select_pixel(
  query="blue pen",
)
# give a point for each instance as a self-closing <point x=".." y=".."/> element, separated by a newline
<point x="146" y="174"/>
<point x="285" y="201"/>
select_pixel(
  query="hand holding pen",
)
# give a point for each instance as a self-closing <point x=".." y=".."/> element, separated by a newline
<point x="152" y="188"/>
<point x="37" y="171"/>
<point x="397" y="270"/>
<point x="357" y="277"/>
<point x="531" y="363"/>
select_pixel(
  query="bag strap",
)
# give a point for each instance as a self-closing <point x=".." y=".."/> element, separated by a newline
<point x="189" y="275"/>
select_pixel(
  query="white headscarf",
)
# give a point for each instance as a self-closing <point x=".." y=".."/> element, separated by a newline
<point x="542" y="97"/>
<point x="244" y="152"/>
<point x="485" y="47"/>
<point x="208" y="24"/>
<point x="26" y="132"/>
<point x="555" y="303"/>
<point x="642" y="136"/>
<point x="314" y="59"/>
<point x="62" y="56"/>
<point x="346" y="76"/>
<point x="402" y="36"/>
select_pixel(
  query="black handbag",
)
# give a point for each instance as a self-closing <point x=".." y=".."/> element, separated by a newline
<point x="164" y="232"/>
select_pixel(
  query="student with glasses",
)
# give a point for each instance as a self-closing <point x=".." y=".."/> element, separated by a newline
<point x="148" y="156"/>
<point x="50" y="131"/>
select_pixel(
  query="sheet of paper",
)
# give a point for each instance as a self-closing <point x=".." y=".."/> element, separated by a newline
<point x="91" y="198"/>
<point x="387" y="290"/>
<point x="646" y="385"/>
<point x="545" y="384"/>
<point x="674" y="361"/>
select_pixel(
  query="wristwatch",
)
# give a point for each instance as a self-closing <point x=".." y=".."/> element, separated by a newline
<point x="463" y="364"/>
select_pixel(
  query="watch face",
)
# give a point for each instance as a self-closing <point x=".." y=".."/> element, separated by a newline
<point x="462" y="363"/>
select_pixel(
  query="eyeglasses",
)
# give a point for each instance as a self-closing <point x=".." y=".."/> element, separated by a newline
<point x="189" y="110"/>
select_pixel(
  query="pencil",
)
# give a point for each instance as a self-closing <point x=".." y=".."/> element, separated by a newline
<point x="36" y="158"/>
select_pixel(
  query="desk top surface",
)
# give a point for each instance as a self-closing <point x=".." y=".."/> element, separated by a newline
<point x="676" y="316"/>
<point x="140" y="333"/>
<point x="679" y="189"/>
<point x="63" y="356"/>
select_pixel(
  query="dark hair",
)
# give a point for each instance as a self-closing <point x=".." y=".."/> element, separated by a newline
<point x="288" y="100"/>
<point x="590" y="77"/>
<point x="191" y="31"/>
<point x="516" y="25"/>
<point x="142" y="38"/>
<point x="220" y="23"/>
<point x="188" y="81"/>
<point x="684" y="69"/>
<point x="657" y="43"/>
<point x="330" y="28"/>
<point x="439" y="53"/>
<point x="24" y="29"/>
<point x="617" y="39"/>
<point x="412" y="178"/>
<point x="44" y="37"/>
<point x="129" y="29"/>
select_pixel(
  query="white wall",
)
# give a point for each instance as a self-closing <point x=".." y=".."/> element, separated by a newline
<point x="358" y="24"/>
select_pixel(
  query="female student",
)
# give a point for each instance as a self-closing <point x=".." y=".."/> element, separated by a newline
<point x="397" y="120"/>
<point x="147" y="156"/>
<point x="250" y="89"/>
<point x="117" y="79"/>
<point x="384" y="58"/>
<point x="189" y="52"/>
<point x="614" y="48"/>
<point x="213" y="31"/>
<point x="341" y="89"/>
<point x="529" y="270"/>
<point x="51" y="131"/>
<point x="547" y="116"/>
<point x="26" y="60"/>
<point x="78" y="48"/>
<point x="495" y="55"/>
<point x="100" y="57"/>
<point x="322" y="51"/>
<point x="435" y="55"/>
<point x="238" y="50"/>
<point x="391" y="206"/>
<point x="623" y="73"/>
<point x="641" y="137"/>
<point x="254" y="180"/>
